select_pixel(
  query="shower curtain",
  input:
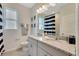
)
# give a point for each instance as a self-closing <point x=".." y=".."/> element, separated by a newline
<point x="1" y="32"/>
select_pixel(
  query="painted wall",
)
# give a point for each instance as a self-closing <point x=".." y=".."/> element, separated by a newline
<point x="12" y="38"/>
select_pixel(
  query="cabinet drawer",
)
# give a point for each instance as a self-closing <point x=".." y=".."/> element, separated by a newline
<point x="52" y="50"/>
<point x="41" y="52"/>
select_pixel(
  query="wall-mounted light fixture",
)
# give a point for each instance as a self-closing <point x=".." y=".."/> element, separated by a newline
<point x="43" y="8"/>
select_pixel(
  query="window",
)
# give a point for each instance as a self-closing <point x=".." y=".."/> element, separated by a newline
<point x="11" y="14"/>
<point x="41" y="23"/>
<point x="10" y="18"/>
<point x="11" y="24"/>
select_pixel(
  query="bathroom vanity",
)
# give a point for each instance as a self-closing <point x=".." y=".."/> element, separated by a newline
<point x="39" y="46"/>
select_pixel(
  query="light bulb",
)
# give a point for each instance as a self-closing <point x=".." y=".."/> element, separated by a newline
<point x="43" y="6"/>
<point x="38" y="11"/>
<point x="40" y="8"/>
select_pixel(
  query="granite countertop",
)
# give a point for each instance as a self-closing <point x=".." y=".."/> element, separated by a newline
<point x="69" y="48"/>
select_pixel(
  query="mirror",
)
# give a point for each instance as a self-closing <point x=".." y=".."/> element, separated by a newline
<point x="63" y="23"/>
<point x="46" y="21"/>
<point x="41" y="24"/>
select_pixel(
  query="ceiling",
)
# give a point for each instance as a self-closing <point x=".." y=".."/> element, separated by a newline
<point x="50" y="10"/>
<point x="29" y="5"/>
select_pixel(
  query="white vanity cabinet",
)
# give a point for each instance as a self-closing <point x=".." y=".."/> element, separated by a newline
<point x="30" y="48"/>
<point x="52" y="51"/>
<point x="40" y="48"/>
<point x="34" y="49"/>
<point x="42" y="52"/>
<point x="32" y="45"/>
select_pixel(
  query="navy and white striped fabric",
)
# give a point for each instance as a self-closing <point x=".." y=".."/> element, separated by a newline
<point x="1" y="32"/>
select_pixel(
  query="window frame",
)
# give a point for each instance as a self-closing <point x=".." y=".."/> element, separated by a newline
<point x="10" y="20"/>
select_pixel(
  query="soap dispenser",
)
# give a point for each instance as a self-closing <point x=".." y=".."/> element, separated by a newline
<point x="71" y="39"/>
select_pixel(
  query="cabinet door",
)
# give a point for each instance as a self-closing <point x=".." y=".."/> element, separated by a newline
<point x="34" y="49"/>
<point x="30" y="49"/>
<point x="42" y="52"/>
